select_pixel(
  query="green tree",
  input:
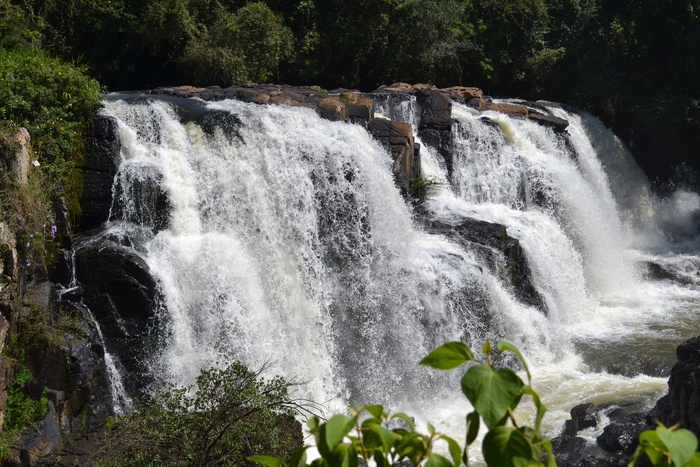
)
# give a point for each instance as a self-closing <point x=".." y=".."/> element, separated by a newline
<point x="240" y="46"/>
<point x="226" y="415"/>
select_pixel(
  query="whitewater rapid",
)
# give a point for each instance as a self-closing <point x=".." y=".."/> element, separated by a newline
<point x="289" y="243"/>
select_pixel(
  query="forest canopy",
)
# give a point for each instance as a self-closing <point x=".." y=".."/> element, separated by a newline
<point x="634" y="64"/>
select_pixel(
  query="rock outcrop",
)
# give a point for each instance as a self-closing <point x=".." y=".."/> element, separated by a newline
<point x="98" y="171"/>
<point x="500" y="251"/>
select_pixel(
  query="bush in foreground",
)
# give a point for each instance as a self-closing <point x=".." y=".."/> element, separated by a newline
<point x="226" y="416"/>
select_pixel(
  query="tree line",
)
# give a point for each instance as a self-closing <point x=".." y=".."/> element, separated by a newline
<point x="634" y="63"/>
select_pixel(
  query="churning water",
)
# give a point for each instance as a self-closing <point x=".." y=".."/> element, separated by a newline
<point x="289" y="242"/>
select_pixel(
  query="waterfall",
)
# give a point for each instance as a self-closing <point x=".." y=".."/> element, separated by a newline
<point x="287" y="241"/>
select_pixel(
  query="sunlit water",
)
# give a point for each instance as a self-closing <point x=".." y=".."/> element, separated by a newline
<point x="289" y="242"/>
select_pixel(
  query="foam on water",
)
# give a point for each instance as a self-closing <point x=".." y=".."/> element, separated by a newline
<point x="288" y="241"/>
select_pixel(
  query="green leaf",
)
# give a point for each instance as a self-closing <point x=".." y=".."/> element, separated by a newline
<point x="377" y="435"/>
<point x="375" y="410"/>
<point x="447" y="356"/>
<point x="299" y="457"/>
<point x="342" y="455"/>
<point x="455" y="450"/>
<point x="269" y="461"/>
<point x="491" y="392"/>
<point x="505" y="446"/>
<point x="502" y="346"/>
<point x="694" y="461"/>
<point x="486" y="349"/>
<point x="436" y="460"/>
<point x="681" y="443"/>
<point x="472" y="427"/>
<point x="541" y="409"/>
<point x="405" y="418"/>
<point x="336" y="428"/>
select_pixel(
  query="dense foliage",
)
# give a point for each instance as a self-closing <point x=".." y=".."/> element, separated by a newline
<point x="632" y="63"/>
<point x="227" y="415"/>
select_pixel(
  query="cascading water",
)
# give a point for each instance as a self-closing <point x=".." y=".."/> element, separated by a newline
<point x="288" y="242"/>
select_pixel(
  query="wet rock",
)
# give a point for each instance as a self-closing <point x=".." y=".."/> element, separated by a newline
<point x="122" y="295"/>
<point x="582" y="416"/>
<point x="656" y="271"/>
<point x="501" y="252"/>
<point x="683" y="401"/>
<point x="140" y="198"/>
<point x="557" y="124"/>
<point x="568" y="450"/>
<point x="435" y="109"/>
<point x="623" y="435"/>
<point x="397" y="138"/>
<point x="101" y="163"/>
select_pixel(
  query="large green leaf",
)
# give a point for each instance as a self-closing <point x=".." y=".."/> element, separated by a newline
<point x="343" y="455"/>
<point x="502" y="346"/>
<point x="267" y="460"/>
<point x="337" y="427"/>
<point x="505" y="446"/>
<point x="455" y="450"/>
<point x="377" y="436"/>
<point x="472" y="427"/>
<point x="491" y="392"/>
<point x="681" y="443"/>
<point x="436" y="460"/>
<point x="448" y="356"/>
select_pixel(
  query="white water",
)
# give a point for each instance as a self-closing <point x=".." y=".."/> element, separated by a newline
<point x="289" y="242"/>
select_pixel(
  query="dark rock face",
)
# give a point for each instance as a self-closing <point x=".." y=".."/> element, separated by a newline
<point x="501" y="251"/>
<point x="100" y="166"/>
<point x="582" y="416"/>
<point x="139" y="198"/>
<point x="122" y="295"/>
<point x="435" y="127"/>
<point x="623" y="435"/>
<point x="397" y="137"/>
<point x="683" y="401"/>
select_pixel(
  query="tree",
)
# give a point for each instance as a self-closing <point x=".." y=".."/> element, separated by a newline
<point x="227" y="415"/>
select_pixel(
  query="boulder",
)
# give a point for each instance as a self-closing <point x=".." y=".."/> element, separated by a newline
<point x="683" y="401"/>
<point x="464" y="94"/>
<point x="623" y="436"/>
<point x="435" y="109"/>
<point x="557" y="124"/>
<point x="122" y="295"/>
<point x="331" y="108"/>
<point x="359" y="108"/>
<point x="582" y="416"/>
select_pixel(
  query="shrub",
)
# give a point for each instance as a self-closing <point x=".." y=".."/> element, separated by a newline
<point x="53" y="100"/>
<point x="22" y="410"/>
<point x="227" y="415"/>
